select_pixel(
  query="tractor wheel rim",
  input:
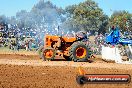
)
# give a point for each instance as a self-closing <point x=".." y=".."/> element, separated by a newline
<point x="48" y="54"/>
<point x="81" y="52"/>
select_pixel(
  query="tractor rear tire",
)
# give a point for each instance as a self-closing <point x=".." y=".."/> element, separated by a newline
<point x="79" y="52"/>
<point x="48" y="54"/>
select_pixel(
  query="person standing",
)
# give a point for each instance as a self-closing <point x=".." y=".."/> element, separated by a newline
<point x="26" y="45"/>
<point x="30" y="45"/>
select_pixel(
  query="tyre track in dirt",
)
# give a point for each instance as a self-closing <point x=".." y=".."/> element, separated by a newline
<point x="28" y="71"/>
<point x="31" y="76"/>
<point x="64" y="63"/>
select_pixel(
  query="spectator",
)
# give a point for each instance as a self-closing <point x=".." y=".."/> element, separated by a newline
<point x="26" y="45"/>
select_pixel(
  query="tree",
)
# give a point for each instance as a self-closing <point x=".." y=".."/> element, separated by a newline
<point x="86" y="16"/>
<point x="4" y="22"/>
<point x="3" y="19"/>
<point x="122" y="19"/>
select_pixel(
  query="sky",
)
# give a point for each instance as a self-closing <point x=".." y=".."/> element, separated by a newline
<point x="10" y="7"/>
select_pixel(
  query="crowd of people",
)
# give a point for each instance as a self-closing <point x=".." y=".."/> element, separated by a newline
<point x="31" y="39"/>
<point x="16" y="38"/>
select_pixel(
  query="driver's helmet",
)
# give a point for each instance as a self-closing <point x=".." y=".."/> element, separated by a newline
<point x="113" y="27"/>
<point x="81" y="34"/>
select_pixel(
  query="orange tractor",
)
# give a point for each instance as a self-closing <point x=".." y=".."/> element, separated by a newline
<point x="70" y="48"/>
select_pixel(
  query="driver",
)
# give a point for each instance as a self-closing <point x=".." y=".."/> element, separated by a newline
<point x="81" y="35"/>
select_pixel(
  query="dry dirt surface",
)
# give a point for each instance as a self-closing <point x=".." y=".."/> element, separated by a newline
<point x="28" y="71"/>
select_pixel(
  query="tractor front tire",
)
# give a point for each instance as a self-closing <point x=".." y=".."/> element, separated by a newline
<point x="79" y="52"/>
<point x="48" y="54"/>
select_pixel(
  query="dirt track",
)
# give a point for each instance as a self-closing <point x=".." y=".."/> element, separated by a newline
<point x="30" y="72"/>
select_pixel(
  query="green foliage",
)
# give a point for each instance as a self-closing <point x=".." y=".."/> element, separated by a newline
<point x="3" y="19"/>
<point x="41" y="14"/>
<point x="123" y="19"/>
<point x="87" y="16"/>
